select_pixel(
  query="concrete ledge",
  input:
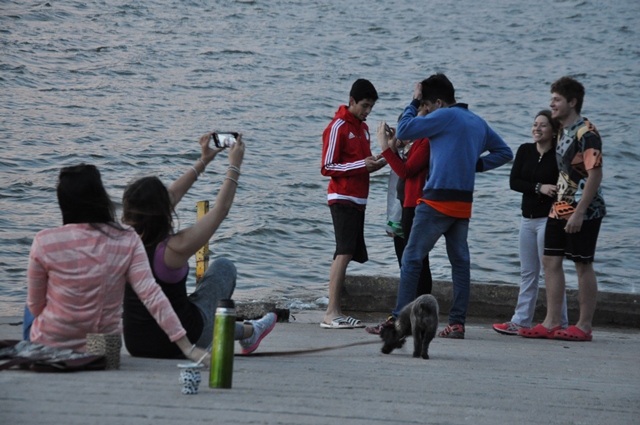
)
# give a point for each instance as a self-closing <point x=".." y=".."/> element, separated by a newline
<point x="257" y="309"/>
<point x="378" y="294"/>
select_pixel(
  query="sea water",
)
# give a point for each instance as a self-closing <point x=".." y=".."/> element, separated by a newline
<point x="130" y="86"/>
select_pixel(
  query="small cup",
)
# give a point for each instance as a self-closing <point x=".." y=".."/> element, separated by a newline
<point x="108" y="345"/>
<point x="190" y="377"/>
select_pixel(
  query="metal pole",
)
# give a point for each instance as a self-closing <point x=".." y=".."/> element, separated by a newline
<point x="202" y="256"/>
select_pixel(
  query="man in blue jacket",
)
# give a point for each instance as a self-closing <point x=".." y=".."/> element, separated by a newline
<point x="458" y="138"/>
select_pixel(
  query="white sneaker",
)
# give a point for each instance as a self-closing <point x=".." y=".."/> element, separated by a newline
<point x="261" y="328"/>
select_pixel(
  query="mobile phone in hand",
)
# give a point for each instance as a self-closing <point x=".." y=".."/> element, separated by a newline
<point x="224" y="139"/>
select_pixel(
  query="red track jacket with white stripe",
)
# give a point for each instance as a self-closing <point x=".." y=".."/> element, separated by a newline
<point x="345" y="145"/>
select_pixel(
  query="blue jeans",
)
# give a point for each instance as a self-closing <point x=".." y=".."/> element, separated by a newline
<point x="27" y="321"/>
<point x="428" y="226"/>
<point x="217" y="283"/>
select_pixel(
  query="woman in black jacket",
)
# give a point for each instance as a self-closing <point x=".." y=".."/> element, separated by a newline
<point x="534" y="174"/>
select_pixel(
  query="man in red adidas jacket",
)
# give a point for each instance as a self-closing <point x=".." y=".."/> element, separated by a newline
<point x="347" y="159"/>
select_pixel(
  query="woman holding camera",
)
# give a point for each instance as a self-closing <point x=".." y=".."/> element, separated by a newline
<point x="77" y="273"/>
<point x="148" y="206"/>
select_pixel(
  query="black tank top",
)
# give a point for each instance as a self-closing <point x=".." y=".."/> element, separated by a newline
<point x="143" y="337"/>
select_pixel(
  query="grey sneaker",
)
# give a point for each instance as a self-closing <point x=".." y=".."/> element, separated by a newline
<point x="261" y="328"/>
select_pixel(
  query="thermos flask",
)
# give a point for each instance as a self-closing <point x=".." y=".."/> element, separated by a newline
<point x="221" y="371"/>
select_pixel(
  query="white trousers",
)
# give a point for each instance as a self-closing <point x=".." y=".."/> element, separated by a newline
<point x="531" y="251"/>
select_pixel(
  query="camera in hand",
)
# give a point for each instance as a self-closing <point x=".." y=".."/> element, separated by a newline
<point x="224" y="139"/>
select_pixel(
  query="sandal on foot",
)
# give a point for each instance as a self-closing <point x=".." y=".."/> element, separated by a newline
<point x="539" y="331"/>
<point x="337" y="323"/>
<point x="356" y="323"/>
<point x="573" y="333"/>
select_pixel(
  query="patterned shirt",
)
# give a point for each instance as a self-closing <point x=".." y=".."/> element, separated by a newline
<point x="579" y="150"/>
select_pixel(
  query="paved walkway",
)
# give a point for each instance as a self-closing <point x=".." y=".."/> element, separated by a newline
<point x="485" y="379"/>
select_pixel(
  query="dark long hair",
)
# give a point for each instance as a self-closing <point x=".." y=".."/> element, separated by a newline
<point x="82" y="197"/>
<point x="146" y="207"/>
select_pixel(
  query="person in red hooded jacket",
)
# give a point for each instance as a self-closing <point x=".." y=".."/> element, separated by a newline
<point x="347" y="159"/>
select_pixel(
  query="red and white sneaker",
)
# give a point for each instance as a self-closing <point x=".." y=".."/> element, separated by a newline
<point x="453" y="331"/>
<point x="375" y="330"/>
<point x="507" y="328"/>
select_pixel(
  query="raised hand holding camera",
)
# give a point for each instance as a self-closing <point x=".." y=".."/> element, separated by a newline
<point x="236" y="152"/>
<point x="224" y="139"/>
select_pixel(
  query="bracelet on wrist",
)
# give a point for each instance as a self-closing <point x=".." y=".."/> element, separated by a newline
<point x="234" y="169"/>
<point x="195" y="171"/>
<point x="232" y="179"/>
<point x="204" y="165"/>
<point x="191" y="351"/>
<point x="538" y="186"/>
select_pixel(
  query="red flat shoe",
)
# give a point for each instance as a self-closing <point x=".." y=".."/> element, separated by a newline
<point x="539" y="331"/>
<point x="573" y="333"/>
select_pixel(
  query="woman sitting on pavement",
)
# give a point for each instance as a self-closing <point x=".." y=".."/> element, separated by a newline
<point x="148" y="206"/>
<point x="76" y="273"/>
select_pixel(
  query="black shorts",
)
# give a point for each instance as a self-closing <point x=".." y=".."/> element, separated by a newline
<point x="348" y="226"/>
<point x="579" y="247"/>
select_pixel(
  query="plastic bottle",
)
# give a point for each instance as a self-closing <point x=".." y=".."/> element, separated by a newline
<point x="221" y="371"/>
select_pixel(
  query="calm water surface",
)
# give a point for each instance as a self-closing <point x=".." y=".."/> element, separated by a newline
<point x="131" y="85"/>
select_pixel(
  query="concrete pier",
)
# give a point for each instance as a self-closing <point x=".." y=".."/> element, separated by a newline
<point x="343" y="378"/>
<point x="489" y="301"/>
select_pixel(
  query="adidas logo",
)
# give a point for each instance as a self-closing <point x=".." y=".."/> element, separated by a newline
<point x="351" y="135"/>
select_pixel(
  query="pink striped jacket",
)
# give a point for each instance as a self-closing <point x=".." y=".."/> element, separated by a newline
<point x="76" y="278"/>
